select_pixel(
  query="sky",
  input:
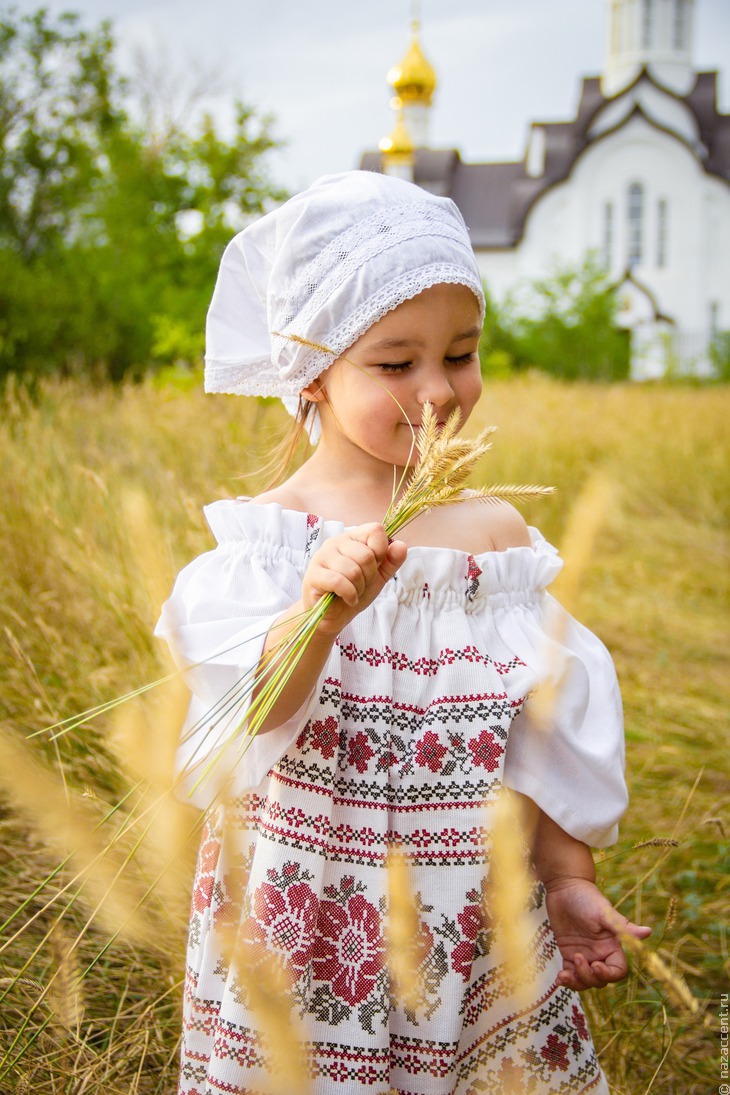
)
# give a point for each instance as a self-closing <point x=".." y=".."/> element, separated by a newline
<point x="320" y="67"/>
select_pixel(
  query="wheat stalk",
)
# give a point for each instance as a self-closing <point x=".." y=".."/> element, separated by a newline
<point x="658" y="842"/>
<point x="674" y="985"/>
<point x="445" y="462"/>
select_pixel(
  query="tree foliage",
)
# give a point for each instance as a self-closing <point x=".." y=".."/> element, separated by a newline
<point x="564" y="324"/>
<point x="57" y="88"/>
<point x="110" y="234"/>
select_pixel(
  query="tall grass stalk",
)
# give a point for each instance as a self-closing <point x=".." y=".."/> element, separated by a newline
<point x="76" y="620"/>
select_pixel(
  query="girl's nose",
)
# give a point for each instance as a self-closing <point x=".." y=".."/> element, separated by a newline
<point x="436" y="388"/>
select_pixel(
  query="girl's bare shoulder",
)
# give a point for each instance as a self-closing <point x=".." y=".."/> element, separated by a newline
<point x="284" y="495"/>
<point x="505" y="525"/>
<point x="474" y="526"/>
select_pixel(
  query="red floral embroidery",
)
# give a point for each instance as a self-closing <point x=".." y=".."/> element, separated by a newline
<point x="359" y="751"/>
<point x="472" y="921"/>
<point x="555" y="1053"/>
<point x="485" y="751"/>
<point x="429" y="752"/>
<point x="326" y="736"/>
<point x="473" y="574"/>
<point x="283" y="922"/>
<point x="205" y="878"/>
<point x="387" y="760"/>
<point x="579" y="1022"/>
<point x="349" y="951"/>
<point x="203" y="895"/>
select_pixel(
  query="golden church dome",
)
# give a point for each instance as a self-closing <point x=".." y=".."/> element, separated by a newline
<point x="399" y="143"/>
<point x="414" y="79"/>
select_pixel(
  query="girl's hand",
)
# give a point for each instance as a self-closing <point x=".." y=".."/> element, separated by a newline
<point x="355" y="566"/>
<point x="586" y="927"/>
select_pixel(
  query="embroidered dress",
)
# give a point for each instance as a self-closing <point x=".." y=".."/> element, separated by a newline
<point x="421" y="715"/>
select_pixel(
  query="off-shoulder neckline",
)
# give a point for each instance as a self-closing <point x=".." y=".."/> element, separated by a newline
<point x="538" y="541"/>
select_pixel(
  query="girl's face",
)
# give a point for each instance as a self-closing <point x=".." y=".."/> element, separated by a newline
<point x="424" y="351"/>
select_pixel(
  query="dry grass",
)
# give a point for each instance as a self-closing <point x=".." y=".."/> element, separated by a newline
<point x="82" y="571"/>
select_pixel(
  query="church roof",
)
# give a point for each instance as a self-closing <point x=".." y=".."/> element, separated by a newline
<point x="714" y="127"/>
<point x="495" y="198"/>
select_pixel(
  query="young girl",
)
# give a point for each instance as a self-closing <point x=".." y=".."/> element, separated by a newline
<point x="410" y="710"/>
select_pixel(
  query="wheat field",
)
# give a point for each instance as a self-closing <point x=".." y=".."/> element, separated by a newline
<point x="100" y="499"/>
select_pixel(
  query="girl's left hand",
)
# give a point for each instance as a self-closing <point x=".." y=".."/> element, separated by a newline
<point x="586" y="927"/>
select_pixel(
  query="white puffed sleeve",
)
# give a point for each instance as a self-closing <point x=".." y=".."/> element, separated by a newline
<point x="565" y="749"/>
<point x="216" y="621"/>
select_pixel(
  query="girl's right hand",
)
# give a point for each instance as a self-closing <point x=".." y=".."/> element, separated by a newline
<point x="354" y="566"/>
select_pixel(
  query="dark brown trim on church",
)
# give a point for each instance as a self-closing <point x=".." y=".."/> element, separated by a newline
<point x="496" y="198"/>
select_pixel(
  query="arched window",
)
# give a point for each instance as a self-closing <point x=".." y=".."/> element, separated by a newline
<point x="635" y="224"/>
<point x="662" y="232"/>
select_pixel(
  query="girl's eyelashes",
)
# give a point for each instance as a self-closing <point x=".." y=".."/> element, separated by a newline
<point x="462" y="359"/>
<point x="395" y="366"/>
<point x="401" y="366"/>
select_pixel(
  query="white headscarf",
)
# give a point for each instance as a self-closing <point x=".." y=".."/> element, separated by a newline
<point x="325" y="266"/>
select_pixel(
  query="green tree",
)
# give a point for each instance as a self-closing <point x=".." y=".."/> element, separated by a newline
<point x="564" y="324"/>
<point x="58" y="102"/>
<point x="110" y="234"/>
<point x="720" y="355"/>
<point x="498" y="350"/>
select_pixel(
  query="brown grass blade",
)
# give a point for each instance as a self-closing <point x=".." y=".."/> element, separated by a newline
<point x="509" y="888"/>
<point x="402" y="933"/>
<point x="584" y="524"/>
<point x="65" y="997"/>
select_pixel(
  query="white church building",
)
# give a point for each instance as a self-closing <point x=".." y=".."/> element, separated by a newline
<point x="640" y="177"/>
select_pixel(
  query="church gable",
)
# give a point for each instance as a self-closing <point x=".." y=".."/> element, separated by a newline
<point x="639" y="177"/>
<point x="554" y="148"/>
<point x="666" y="111"/>
<point x="635" y="197"/>
<point x="694" y="122"/>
